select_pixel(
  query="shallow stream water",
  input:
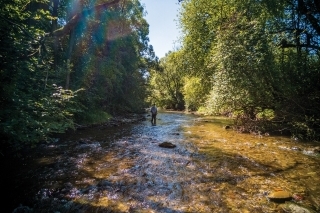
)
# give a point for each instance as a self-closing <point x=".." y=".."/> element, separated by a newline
<point x="211" y="169"/>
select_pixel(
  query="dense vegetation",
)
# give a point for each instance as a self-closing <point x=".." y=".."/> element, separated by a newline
<point x="64" y="62"/>
<point x="257" y="61"/>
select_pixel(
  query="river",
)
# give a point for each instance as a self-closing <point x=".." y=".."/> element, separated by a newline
<point x="211" y="169"/>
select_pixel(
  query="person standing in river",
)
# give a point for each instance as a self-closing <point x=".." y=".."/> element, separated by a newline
<point x="154" y="112"/>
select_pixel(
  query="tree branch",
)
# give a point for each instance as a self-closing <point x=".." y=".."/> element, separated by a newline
<point x="287" y="45"/>
<point x="20" y="27"/>
<point x="307" y="12"/>
<point x="75" y="19"/>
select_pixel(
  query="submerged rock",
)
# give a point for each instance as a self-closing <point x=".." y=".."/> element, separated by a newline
<point x="167" y="145"/>
<point x="22" y="209"/>
<point x="279" y="196"/>
<point x="227" y="127"/>
<point x="294" y="208"/>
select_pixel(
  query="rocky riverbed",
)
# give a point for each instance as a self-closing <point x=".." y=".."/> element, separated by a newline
<point x="207" y="168"/>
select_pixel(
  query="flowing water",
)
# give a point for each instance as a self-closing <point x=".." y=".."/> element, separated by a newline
<point x="211" y="169"/>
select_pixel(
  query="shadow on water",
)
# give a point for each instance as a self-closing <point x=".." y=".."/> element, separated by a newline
<point x="122" y="169"/>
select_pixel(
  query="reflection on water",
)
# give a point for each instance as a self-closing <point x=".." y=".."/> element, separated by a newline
<point x="210" y="170"/>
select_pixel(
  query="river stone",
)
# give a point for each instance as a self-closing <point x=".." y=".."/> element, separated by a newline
<point x="280" y="195"/>
<point x="316" y="149"/>
<point x="294" y="208"/>
<point x="23" y="209"/>
<point x="167" y="145"/>
<point x="227" y="127"/>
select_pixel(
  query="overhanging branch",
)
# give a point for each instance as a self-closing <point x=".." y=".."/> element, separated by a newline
<point x="288" y="45"/>
<point x="75" y="19"/>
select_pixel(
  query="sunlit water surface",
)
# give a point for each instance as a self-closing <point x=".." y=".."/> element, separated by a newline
<point x="211" y="169"/>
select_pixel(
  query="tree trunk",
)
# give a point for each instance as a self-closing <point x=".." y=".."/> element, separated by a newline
<point x="54" y="28"/>
<point x="69" y="53"/>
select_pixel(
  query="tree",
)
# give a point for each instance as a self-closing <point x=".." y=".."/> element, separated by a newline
<point x="111" y="59"/>
<point x="256" y="56"/>
<point x="193" y="93"/>
<point x="100" y="51"/>
<point x="166" y="82"/>
<point x="29" y="112"/>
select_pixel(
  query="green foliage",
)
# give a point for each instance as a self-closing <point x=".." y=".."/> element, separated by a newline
<point x="193" y="93"/>
<point x="94" y="117"/>
<point x="23" y="55"/>
<point x="30" y="121"/>
<point x="166" y="83"/>
<point x="300" y="95"/>
<point x="110" y="61"/>
<point x="255" y="60"/>
<point x="106" y="54"/>
<point x="266" y="114"/>
<point x="244" y="67"/>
